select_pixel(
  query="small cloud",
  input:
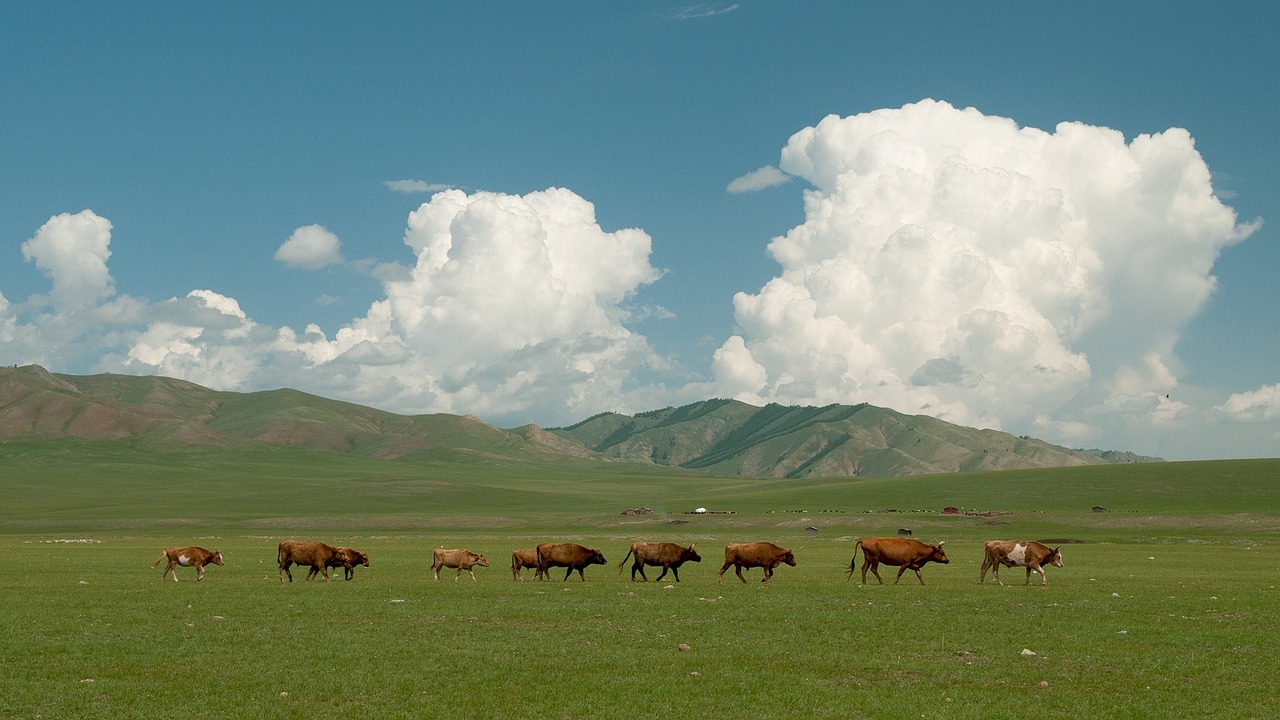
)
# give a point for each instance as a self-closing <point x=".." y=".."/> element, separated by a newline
<point x="414" y="187"/>
<point x="703" y="10"/>
<point x="766" y="177"/>
<point x="327" y="300"/>
<point x="1257" y="405"/>
<point x="310" y="247"/>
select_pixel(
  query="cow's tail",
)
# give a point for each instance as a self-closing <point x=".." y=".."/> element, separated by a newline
<point x="624" y="560"/>
<point x="853" y="564"/>
<point x="157" y="562"/>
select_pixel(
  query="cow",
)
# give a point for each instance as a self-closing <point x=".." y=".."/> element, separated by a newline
<point x="303" y="552"/>
<point x="668" y="555"/>
<point x="460" y="559"/>
<point x="755" y="554"/>
<point x="186" y="557"/>
<point x="567" y="555"/>
<point x="348" y="559"/>
<point x="911" y="554"/>
<point x="521" y="559"/>
<point x="1031" y="555"/>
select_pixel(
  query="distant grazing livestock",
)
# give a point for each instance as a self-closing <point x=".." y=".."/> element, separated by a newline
<point x="460" y="559"/>
<point x="521" y="559"/>
<point x="669" y="556"/>
<point x="567" y="555"/>
<point x="1031" y="555"/>
<point x="348" y="559"/>
<point x="909" y="553"/>
<point x="303" y="552"/>
<point x="755" y="554"/>
<point x="186" y="557"/>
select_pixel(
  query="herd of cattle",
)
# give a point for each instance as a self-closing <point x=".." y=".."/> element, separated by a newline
<point x="902" y="553"/>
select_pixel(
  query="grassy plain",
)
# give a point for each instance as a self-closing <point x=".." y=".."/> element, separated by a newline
<point x="1164" y="610"/>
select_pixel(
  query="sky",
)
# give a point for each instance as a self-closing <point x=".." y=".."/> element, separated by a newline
<point x="1052" y="219"/>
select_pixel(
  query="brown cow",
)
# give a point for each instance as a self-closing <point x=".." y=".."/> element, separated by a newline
<point x="668" y="555"/>
<point x="347" y="559"/>
<point x="567" y="555"/>
<point x="186" y="557"/>
<point x="756" y="554"/>
<point x="460" y="559"/>
<point x="303" y="552"/>
<point x="521" y="559"/>
<point x="910" y="554"/>
<point x="1031" y="555"/>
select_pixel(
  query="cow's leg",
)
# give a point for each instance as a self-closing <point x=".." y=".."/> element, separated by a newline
<point x="435" y="570"/>
<point x="1028" y="574"/>
<point x="918" y="575"/>
<point x="899" y="575"/>
<point x="472" y="573"/>
<point x="311" y="573"/>
<point x="199" y="573"/>
<point x="582" y="576"/>
<point x="738" y="569"/>
<point x="324" y="572"/>
<point x="172" y="566"/>
<point x="875" y="570"/>
<point x="722" y="569"/>
<point x="982" y="575"/>
<point x="995" y="570"/>
<point x="768" y="573"/>
<point x="675" y="572"/>
<point x="284" y="570"/>
<point x="639" y="566"/>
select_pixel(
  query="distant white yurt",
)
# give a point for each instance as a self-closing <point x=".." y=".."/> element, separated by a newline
<point x="700" y="511"/>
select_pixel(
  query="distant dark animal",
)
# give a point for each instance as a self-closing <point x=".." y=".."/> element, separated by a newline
<point x="755" y="554"/>
<point x="186" y="557"/>
<point x="521" y="559"/>
<point x="903" y="532"/>
<point x="304" y="552"/>
<point x="669" y="556"/>
<point x="567" y="555"/>
<point x="348" y="559"/>
<point x="1031" y="555"/>
<point x="460" y="559"/>
<point x="910" y="554"/>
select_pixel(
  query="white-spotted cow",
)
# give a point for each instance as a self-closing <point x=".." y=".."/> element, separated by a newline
<point x="186" y="557"/>
<point x="1014" y="553"/>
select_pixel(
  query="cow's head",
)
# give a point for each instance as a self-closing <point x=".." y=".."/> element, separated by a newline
<point x="1054" y="558"/>
<point x="597" y="558"/>
<point x="788" y="557"/>
<point x="937" y="554"/>
<point x="482" y="561"/>
<point x="358" y="558"/>
<point x="216" y="558"/>
<point x="691" y="554"/>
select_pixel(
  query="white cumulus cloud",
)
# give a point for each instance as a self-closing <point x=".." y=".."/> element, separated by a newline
<point x="72" y="250"/>
<point x="310" y="247"/>
<point x="765" y="177"/>
<point x="955" y="264"/>
<point x="512" y="304"/>
<point x="1255" y="405"/>
<point x="414" y="187"/>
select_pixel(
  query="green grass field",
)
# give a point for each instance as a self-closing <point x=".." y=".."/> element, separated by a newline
<point x="1164" y="608"/>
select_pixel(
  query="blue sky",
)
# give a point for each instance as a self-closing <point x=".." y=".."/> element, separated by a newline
<point x="246" y="197"/>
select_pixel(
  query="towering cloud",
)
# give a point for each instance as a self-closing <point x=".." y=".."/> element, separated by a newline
<point x="955" y="264"/>
<point x="73" y="251"/>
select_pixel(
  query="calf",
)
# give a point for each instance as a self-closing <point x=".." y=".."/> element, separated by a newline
<point x="460" y="559"/>
<point x="348" y="559"/>
<point x="1031" y="555"/>
<point x="755" y="554"/>
<point x="669" y="555"/>
<point x="567" y="555"/>
<point x="303" y="552"/>
<point x="521" y="559"/>
<point x="186" y="557"/>
<point x="909" y="553"/>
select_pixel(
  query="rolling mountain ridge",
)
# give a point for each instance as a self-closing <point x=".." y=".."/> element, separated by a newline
<point x="724" y="437"/>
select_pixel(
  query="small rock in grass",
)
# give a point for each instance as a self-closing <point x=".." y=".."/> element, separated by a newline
<point x="1044" y="683"/>
<point x="683" y="647"/>
<point x="1027" y="652"/>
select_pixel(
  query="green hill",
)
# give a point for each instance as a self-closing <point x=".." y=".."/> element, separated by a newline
<point x="732" y="438"/>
